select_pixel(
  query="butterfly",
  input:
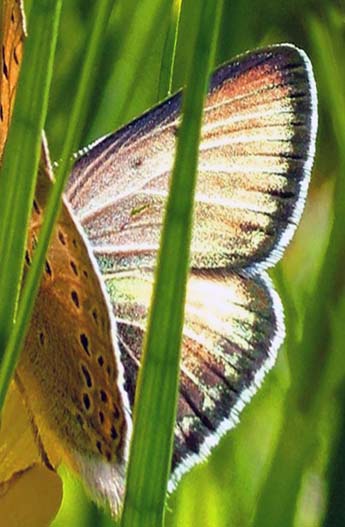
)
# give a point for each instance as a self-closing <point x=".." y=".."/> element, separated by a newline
<point x="78" y="369"/>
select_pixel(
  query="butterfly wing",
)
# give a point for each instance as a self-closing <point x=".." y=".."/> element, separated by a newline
<point x="69" y="370"/>
<point x="256" y="151"/>
<point x="255" y="156"/>
<point x="233" y="327"/>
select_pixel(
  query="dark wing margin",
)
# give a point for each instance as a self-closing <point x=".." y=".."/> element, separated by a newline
<point x="203" y="420"/>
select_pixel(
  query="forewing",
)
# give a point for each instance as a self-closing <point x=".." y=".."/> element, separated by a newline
<point x="255" y="157"/>
<point x="233" y="327"/>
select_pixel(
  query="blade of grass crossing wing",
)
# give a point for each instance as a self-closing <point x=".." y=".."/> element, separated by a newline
<point x="155" y="407"/>
<point x="74" y="130"/>
<point x="19" y="171"/>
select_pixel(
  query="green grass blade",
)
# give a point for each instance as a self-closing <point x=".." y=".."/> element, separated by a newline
<point x="169" y="52"/>
<point x="19" y="171"/>
<point x="313" y="378"/>
<point x="155" y="407"/>
<point x="335" y="510"/>
<point x="137" y="39"/>
<point x="72" y="137"/>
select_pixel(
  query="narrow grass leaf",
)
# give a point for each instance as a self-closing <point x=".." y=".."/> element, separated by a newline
<point x="169" y="51"/>
<point x="72" y="137"/>
<point x="21" y="159"/>
<point x="155" y="407"/>
<point x="148" y="18"/>
<point x="310" y="386"/>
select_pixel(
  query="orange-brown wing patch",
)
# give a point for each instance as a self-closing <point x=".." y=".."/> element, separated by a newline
<point x="69" y="367"/>
<point x="12" y="37"/>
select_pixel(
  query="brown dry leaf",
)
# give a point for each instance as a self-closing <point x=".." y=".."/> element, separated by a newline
<point x="23" y="477"/>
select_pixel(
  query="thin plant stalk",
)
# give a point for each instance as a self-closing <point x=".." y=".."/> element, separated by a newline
<point x="18" y="176"/>
<point x="157" y="390"/>
<point x="169" y="51"/>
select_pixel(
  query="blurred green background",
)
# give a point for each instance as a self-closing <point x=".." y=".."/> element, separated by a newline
<point x="284" y="463"/>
